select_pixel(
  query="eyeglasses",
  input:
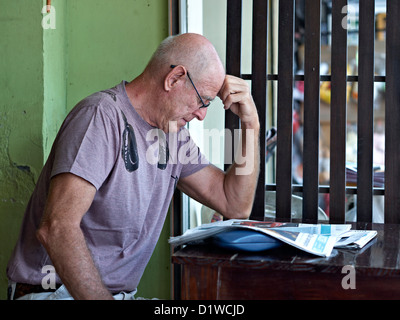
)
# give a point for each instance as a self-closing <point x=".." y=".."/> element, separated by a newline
<point x="198" y="94"/>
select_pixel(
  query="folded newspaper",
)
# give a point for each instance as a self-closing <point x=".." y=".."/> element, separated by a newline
<point x="318" y="239"/>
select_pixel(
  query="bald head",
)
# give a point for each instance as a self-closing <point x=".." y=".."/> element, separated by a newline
<point x="162" y="94"/>
<point x="191" y="50"/>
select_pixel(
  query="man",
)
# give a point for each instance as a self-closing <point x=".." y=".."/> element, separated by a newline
<point x="101" y="200"/>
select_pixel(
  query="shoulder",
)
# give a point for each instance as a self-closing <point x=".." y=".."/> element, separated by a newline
<point x="99" y="103"/>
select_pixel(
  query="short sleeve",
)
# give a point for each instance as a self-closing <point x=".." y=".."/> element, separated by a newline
<point x="87" y="145"/>
<point x="189" y="155"/>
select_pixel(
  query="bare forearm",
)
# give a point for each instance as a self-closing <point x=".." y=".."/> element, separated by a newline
<point x="241" y="179"/>
<point x="73" y="262"/>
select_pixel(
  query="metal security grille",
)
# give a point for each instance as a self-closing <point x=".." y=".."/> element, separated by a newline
<point x="312" y="78"/>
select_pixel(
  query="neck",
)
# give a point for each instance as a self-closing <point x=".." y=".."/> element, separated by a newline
<point x="137" y="91"/>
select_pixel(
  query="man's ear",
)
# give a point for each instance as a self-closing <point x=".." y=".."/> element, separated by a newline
<point x="177" y="74"/>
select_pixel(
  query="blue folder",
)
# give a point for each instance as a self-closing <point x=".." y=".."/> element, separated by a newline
<point x="245" y="240"/>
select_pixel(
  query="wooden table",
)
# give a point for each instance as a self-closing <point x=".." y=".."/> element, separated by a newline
<point x="211" y="273"/>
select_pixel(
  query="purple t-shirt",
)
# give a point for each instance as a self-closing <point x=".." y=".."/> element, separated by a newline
<point x="106" y="142"/>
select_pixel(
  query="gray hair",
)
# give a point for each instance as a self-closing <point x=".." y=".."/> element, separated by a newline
<point x="195" y="58"/>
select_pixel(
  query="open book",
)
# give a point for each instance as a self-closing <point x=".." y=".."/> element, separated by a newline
<point x="318" y="239"/>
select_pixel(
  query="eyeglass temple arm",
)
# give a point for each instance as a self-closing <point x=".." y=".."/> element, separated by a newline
<point x="174" y="66"/>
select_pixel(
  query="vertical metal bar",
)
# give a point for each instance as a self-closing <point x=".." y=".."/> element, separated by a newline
<point x="259" y="92"/>
<point x="233" y="63"/>
<point x="285" y="111"/>
<point x="392" y="126"/>
<point x="173" y="17"/>
<point x="365" y="125"/>
<point x="337" y="206"/>
<point x="311" y="109"/>
<point x="176" y="205"/>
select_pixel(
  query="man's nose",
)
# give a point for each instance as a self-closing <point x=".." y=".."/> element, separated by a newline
<point x="200" y="113"/>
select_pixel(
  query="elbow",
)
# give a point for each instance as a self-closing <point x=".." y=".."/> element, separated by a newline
<point x="238" y="216"/>
<point x="43" y="234"/>
<point x="241" y="214"/>
<point x="52" y="232"/>
<point x="244" y="215"/>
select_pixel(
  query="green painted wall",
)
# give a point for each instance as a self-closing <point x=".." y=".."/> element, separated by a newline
<point x="21" y="110"/>
<point x="110" y="41"/>
<point x="55" y="73"/>
<point x="45" y="72"/>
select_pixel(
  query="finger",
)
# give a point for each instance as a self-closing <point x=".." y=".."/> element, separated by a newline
<point x="230" y="85"/>
<point x="233" y="93"/>
<point x="233" y="98"/>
